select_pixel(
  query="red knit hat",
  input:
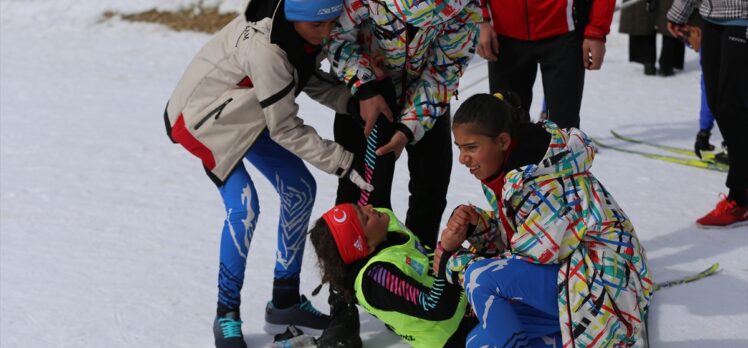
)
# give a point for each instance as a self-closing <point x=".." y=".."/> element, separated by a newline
<point x="347" y="231"/>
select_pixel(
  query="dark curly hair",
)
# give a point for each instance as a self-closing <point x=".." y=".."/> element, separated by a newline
<point x="334" y="270"/>
<point x="489" y="115"/>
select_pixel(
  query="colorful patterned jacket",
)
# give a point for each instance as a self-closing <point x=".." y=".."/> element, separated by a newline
<point x="426" y="45"/>
<point x="557" y="212"/>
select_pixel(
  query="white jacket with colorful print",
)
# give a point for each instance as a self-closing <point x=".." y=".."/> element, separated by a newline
<point x="426" y="46"/>
<point x="557" y="212"/>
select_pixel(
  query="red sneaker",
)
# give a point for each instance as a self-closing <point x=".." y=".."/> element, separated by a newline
<point x="726" y="214"/>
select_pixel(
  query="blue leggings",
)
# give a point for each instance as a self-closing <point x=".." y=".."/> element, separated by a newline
<point x="516" y="303"/>
<point x="296" y="188"/>
<point x="706" y="117"/>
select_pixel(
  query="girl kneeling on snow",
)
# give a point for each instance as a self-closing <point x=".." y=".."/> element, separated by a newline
<point x="565" y="256"/>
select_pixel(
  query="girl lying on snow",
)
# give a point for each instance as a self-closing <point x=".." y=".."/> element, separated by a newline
<point x="370" y="255"/>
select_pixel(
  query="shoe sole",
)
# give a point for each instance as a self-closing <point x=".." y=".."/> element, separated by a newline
<point x="725" y="227"/>
<point x="276" y="329"/>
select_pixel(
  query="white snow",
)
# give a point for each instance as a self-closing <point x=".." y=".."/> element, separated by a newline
<point x="109" y="233"/>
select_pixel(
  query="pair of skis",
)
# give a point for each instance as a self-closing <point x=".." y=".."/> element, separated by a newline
<point x="685" y="157"/>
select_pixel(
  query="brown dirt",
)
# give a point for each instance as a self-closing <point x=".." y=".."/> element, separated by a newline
<point x="208" y="20"/>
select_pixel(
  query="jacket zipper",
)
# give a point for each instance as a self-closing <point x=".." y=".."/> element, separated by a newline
<point x="527" y="19"/>
<point x="217" y="111"/>
<point x="568" y="304"/>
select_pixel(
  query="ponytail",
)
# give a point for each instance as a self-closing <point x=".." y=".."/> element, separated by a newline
<point x="332" y="268"/>
<point x="491" y="115"/>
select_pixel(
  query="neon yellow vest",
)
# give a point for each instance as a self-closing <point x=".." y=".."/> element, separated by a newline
<point x="415" y="264"/>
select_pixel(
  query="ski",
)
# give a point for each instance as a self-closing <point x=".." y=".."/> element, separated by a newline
<point x="705" y="155"/>
<point x="687" y="279"/>
<point x="692" y="162"/>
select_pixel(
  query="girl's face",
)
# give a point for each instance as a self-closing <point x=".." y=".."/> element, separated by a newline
<point x="374" y="224"/>
<point x="481" y="154"/>
<point x="314" y="32"/>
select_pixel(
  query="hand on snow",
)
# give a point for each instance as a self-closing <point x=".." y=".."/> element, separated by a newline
<point x="357" y="180"/>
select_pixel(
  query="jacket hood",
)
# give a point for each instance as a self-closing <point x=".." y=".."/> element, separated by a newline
<point x="427" y="12"/>
<point x="569" y="152"/>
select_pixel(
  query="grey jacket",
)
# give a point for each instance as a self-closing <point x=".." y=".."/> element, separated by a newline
<point x="645" y="18"/>
<point x="718" y="9"/>
<point x="241" y="83"/>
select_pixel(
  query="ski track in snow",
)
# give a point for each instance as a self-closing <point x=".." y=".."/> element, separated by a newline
<point x="109" y="233"/>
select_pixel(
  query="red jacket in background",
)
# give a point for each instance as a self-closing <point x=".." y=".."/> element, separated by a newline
<point x="532" y="20"/>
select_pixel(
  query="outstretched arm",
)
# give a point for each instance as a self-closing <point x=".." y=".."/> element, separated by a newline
<point x="387" y="288"/>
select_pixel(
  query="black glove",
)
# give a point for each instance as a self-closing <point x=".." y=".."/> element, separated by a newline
<point x="702" y="142"/>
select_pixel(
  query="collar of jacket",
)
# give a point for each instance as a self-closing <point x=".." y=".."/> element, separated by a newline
<point x="529" y="151"/>
<point x="301" y="54"/>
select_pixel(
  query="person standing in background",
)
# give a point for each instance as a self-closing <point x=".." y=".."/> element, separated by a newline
<point x="517" y="36"/>
<point x="642" y="22"/>
<point x="724" y="53"/>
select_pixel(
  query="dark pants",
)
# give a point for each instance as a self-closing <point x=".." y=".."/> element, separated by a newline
<point x="429" y="164"/>
<point x="724" y="61"/>
<point x="643" y="49"/>
<point x="561" y="69"/>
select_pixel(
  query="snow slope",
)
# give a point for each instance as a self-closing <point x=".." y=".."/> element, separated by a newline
<point x="109" y="233"/>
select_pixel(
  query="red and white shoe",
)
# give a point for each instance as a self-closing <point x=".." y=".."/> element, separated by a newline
<point x="727" y="214"/>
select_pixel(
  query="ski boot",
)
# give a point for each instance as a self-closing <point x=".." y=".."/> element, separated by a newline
<point x="303" y="315"/>
<point x="702" y="142"/>
<point x="344" y="329"/>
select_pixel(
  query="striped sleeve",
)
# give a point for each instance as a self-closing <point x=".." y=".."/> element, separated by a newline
<point x="387" y="288"/>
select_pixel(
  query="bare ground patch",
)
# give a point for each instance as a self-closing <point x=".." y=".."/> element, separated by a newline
<point x="207" y="20"/>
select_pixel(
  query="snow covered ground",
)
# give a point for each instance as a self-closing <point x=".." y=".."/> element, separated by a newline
<point x="109" y="233"/>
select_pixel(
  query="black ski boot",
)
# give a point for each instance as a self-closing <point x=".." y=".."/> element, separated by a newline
<point x="702" y="142"/>
<point x="344" y="329"/>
